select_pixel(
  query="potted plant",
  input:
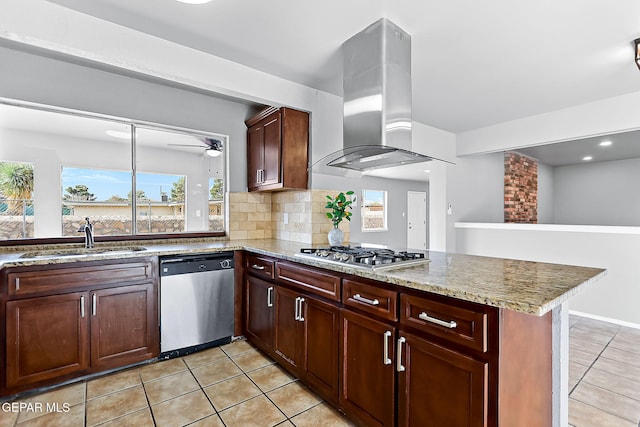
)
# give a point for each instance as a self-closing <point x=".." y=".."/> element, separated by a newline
<point x="338" y="205"/>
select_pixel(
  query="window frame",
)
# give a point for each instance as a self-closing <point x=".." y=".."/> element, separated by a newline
<point x="134" y="124"/>
<point x="384" y="211"/>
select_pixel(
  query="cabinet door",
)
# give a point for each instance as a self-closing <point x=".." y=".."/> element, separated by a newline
<point x="367" y="391"/>
<point x="47" y="337"/>
<point x="287" y="336"/>
<point x="320" y="347"/>
<point x="272" y="145"/>
<point x="439" y="386"/>
<point x="258" y="320"/>
<point x="255" y="155"/>
<point x="124" y="325"/>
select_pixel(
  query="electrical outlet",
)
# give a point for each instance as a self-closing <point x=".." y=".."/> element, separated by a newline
<point x="449" y="209"/>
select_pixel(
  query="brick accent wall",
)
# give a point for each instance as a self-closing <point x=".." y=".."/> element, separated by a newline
<point x="520" y="188"/>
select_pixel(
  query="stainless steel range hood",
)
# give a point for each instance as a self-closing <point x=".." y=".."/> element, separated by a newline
<point x="377" y="101"/>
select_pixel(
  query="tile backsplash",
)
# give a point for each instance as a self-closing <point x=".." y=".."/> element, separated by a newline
<point x="298" y="216"/>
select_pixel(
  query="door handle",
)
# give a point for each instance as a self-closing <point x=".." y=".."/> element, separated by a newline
<point x="399" y="366"/>
<point x="385" y="357"/>
<point x="450" y="324"/>
<point x="257" y="267"/>
<point x="296" y="309"/>
<point x="300" y="310"/>
<point x="94" y="304"/>
<point x="81" y="305"/>
<point x="258" y="176"/>
<point x="269" y="295"/>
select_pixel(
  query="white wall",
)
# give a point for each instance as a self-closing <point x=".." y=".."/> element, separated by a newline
<point x="475" y="191"/>
<point x="603" y="117"/>
<point x="546" y="191"/>
<point x="602" y="193"/>
<point x="614" y="296"/>
<point x="396" y="235"/>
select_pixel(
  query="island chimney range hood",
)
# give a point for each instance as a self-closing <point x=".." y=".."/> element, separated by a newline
<point x="377" y="101"/>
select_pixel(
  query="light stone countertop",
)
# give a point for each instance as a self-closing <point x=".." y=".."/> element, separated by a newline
<point x="524" y="286"/>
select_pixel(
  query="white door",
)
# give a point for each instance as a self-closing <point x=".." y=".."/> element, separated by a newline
<point x="416" y="220"/>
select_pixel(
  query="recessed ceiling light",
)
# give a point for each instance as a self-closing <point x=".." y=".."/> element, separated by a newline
<point x="605" y="143"/>
<point x="587" y="158"/>
<point x="119" y="134"/>
<point x="427" y="170"/>
<point x="194" y="1"/>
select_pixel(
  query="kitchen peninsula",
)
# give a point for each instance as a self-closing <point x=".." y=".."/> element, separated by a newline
<point x="506" y="320"/>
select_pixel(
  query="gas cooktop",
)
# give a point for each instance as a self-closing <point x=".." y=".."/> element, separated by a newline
<point x="374" y="259"/>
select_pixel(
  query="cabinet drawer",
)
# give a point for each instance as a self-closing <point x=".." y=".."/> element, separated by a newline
<point x="371" y="299"/>
<point x="260" y="266"/>
<point x="59" y="279"/>
<point x="455" y="323"/>
<point x="309" y="279"/>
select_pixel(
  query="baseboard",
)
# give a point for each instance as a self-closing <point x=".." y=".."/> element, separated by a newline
<point x="605" y="319"/>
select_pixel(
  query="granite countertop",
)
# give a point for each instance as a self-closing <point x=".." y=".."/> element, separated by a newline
<point x="524" y="286"/>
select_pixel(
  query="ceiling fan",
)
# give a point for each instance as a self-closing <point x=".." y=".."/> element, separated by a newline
<point x="212" y="147"/>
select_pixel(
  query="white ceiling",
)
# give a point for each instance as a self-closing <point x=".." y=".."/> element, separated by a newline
<point x="624" y="145"/>
<point x="475" y="63"/>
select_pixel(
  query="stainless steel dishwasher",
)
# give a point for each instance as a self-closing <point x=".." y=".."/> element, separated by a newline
<point x="196" y="302"/>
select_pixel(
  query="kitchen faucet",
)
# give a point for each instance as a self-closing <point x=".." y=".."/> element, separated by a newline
<point x="87" y="229"/>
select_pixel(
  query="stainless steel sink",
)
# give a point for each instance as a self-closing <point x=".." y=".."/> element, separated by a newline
<point x="80" y="251"/>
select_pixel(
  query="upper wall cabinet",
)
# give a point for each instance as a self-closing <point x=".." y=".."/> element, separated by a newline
<point x="277" y="149"/>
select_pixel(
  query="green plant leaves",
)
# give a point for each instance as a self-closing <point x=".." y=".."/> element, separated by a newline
<point x="339" y="205"/>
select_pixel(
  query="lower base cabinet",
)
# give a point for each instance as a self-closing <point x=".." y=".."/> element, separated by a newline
<point x="438" y="386"/>
<point x="77" y="319"/>
<point x="305" y="340"/>
<point x="47" y="337"/>
<point x="367" y="392"/>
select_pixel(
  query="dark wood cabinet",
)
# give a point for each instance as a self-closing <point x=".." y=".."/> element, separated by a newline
<point x="367" y="392"/>
<point x="75" y="319"/>
<point x="123" y="327"/>
<point x="438" y="386"/>
<point x="277" y="149"/>
<point x="388" y="355"/>
<point x="46" y="337"/>
<point x="259" y="298"/>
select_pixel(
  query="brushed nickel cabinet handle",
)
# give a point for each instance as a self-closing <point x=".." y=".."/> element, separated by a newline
<point x="296" y="309"/>
<point x="300" y="310"/>
<point x="257" y="267"/>
<point x="17" y="283"/>
<point x="94" y="304"/>
<point x="357" y="297"/>
<point x="385" y="357"/>
<point x="399" y="366"/>
<point x="450" y="324"/>
<point x="269" y="296"/>
<point x="81" y="305"/>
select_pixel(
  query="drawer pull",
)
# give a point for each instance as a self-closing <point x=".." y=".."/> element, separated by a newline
<point x="300" y="310"/>
<point x="81" y="305"/>
<point x="424" y="316"/>
<point x="269" y="296"/>
<point x="357" y="297"/>
<point x="257" y="267"/>
<point x="385" y="357"/>
<point x="17" y="284"/>
<point x="399" y="366"/>
<point x="94" y="304"/>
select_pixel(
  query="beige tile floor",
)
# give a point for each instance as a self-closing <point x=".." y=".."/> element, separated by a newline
<point x="236" y="385"/>
<point x="232" y="385"/>
<point x="604" y="374"/>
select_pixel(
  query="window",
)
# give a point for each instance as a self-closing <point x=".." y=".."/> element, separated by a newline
<point x="16" y="200"/>
<point x="75" y="166"/>
<point x="374" y="210"/>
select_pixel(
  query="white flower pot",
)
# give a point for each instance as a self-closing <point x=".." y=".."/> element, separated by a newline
<point x="336" y="237"/>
